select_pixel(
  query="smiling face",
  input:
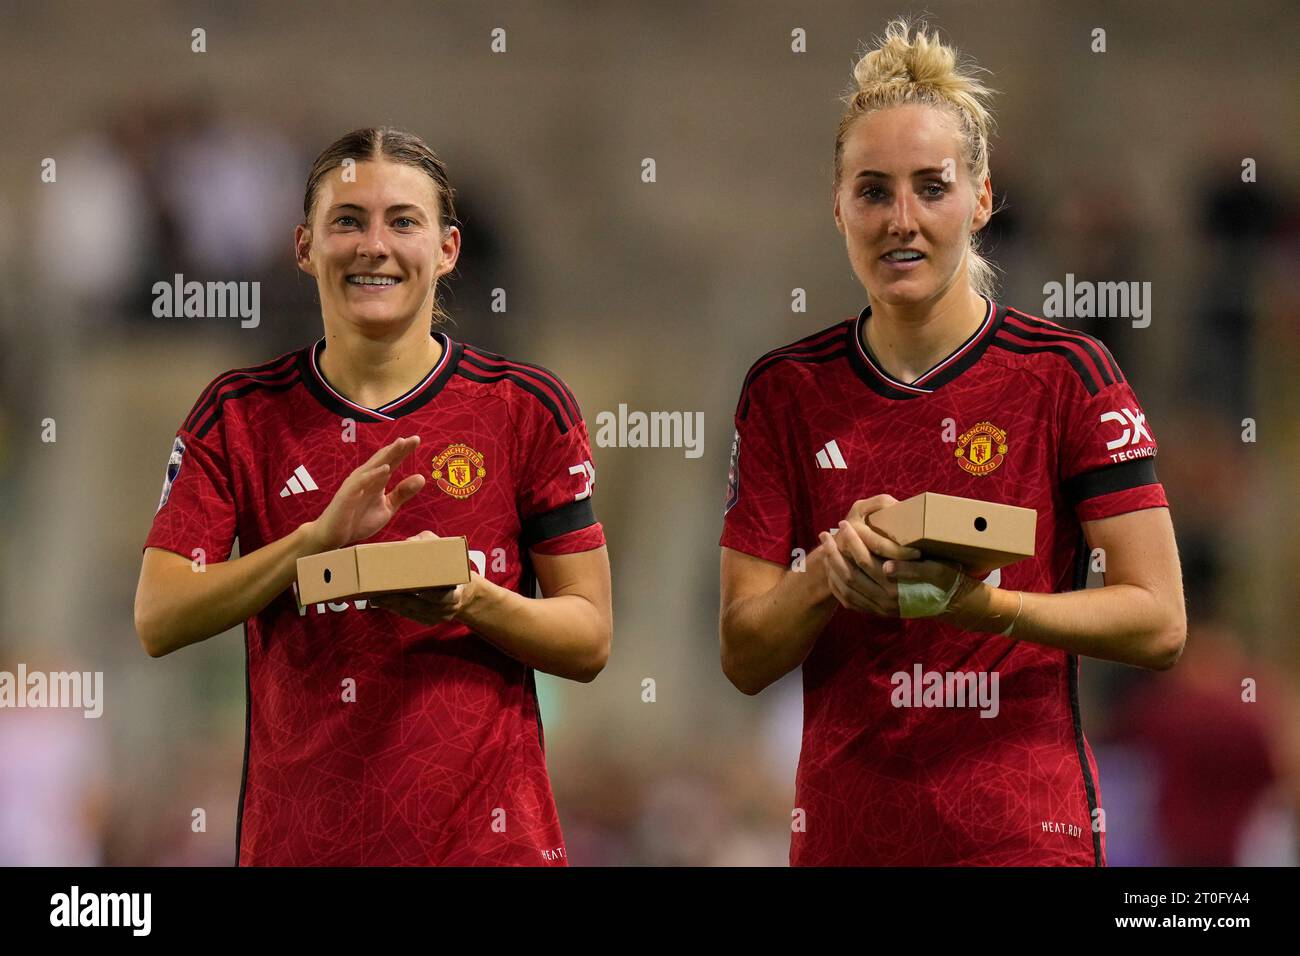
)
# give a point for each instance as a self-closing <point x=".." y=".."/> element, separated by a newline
<point x="892" y="195"/>
<point x="376" y="246"/>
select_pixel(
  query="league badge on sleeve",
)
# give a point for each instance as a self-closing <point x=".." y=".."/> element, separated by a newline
<point x="733" y="474"/>
<point x="173" y="469"/>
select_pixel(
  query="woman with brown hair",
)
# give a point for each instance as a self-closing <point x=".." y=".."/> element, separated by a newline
<point x="407" y="734"/>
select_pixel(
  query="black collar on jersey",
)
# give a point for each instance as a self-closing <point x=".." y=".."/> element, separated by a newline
<point x="942" y="372"/>
<point x="417" y="397"/>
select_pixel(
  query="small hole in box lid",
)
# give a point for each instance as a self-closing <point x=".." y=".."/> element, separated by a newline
<point x="328" y="575"/>
<point x="981" y="524"/>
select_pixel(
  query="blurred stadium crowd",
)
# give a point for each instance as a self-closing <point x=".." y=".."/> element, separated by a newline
<point x="657" y="295"/>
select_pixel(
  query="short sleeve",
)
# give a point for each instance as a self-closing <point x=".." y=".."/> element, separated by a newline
<point x="758" y="516"/>
<point x="1108" y="452"/>
<point x="557" y="479"/>
<point x="197" y="507"/>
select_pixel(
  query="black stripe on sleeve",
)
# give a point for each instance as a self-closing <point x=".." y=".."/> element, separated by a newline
<point x="492" y="363"/>
<point x="214" y="412"/>
<point x="1090" y="381"/>
<point x="1090" y="342"/>
<point x="834" y="335"/>
<point x="1087" y="347"/>
<point x="571" y="517"/>
<point x="212" y="394"/>
<point x="527" y="385"/>
<point x="838" y="352"/>
<point x="1104" y="480"/>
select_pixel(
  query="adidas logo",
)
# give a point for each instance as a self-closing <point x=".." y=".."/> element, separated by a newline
<point x="299" y="482"/>
<point x="830" y="457"/>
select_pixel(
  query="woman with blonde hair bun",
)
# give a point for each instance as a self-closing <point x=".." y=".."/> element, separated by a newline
<point x="941" y="707"/>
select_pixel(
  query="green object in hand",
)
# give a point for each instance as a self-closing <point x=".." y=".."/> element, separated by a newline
<point x="923" y="599"/>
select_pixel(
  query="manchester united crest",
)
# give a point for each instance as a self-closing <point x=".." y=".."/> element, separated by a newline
<point x="459" y="470"/>
<point x="981" y="448"/>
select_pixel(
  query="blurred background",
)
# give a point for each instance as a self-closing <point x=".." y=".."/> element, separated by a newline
<point x="1124" y="165"/>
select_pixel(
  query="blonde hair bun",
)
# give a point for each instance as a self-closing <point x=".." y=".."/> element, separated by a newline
<point x="910" y="64"/>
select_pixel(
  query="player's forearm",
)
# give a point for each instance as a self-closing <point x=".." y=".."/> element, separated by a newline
<point x="190" y="605"/>
<point x="565" y="635"/>
<point x="767" y="635"/>
<point x="1119" y="622"/>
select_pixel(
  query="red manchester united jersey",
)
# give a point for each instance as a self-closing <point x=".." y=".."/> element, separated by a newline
<point x="924" y="744"/>
<point x="373" y="739"/>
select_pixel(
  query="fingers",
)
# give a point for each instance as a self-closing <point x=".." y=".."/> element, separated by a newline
<point x="851" y="599"/>
<point x="853" y="588"/>
<point x="845" y="576"/>
<point x="367" y="478"/>
<point x="430" y="606"/>
<point x="870" y="562"/>
<point x="904" y="570"/>
<point x="405" y="491"/>
<point x="877" y="541"/>
<point x="866" y="506"/>
<point x="405" y="606"/>
<point x="374" y="474"/>
<point x="393" y="453"/>
<point x="377" y="476"/>
<point x="373" y="477"/>
<point x="360" y="507"/>
<point x="881" y="544"/>
<point x="443" y="595"/>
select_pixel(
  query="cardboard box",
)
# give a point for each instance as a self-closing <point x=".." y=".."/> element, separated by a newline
<point x="385" y="567"/>
<point x="980" y="535"/>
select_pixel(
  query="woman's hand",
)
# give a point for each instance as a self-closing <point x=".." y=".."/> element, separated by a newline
<point x="360" y="508"/>
<point x="855" y="557"/>
<point x="434" y="606"/>
<point x="949" y="577"/>
<point x="431" y="606"/>
<point x="864" y="566"/>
